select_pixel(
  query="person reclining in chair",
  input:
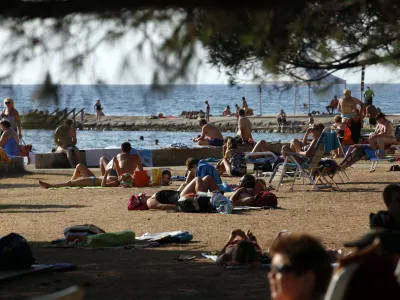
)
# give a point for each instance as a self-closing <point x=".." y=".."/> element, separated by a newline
<point x="305" y="148"/>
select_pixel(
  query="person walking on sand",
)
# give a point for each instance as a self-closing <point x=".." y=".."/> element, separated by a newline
<point x="210" y="135"/>
<point x="368" y="96"/>
<point x="65" y="139"/>
<point x="98" y="109"/>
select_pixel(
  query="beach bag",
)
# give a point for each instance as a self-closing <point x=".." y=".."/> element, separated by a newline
<point x="192" y="203"/>
<point x="141" y="179"/>
<point x="81" y="232"/>
<point x="15" y="253"/>
<point x="394" y="168"/>
<point x="134" y="202"/>
<point x="23" y="149"/>
<point x="112" y="239"/>
<point x="156" y="176"/>
<point x="265" y="198"/>
<point x="330" y="166"/>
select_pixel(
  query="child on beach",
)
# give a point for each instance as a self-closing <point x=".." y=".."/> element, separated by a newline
<point x="390" y="218"/>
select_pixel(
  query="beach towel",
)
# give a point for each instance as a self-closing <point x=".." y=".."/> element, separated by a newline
<point x="225" y="187"/>
<point x="178" y="178"/>
<point x="330" y="141"/>
<point x="166" y="237"/>
<point x="3" y="156"/>
<point x="204" y="169"/>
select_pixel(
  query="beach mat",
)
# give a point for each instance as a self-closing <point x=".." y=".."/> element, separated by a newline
<point x="7" y="275"/>
<point x="77" y="187"/>
<point x="214" y="259"/>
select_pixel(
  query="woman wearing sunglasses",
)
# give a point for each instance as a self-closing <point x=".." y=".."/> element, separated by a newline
<point x="11" y="115"/>
<point x="300" y="268"/>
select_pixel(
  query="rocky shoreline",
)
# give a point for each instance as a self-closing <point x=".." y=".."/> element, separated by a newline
<point x="295" y="124"/>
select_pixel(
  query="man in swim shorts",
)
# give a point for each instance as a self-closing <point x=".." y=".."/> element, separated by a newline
<point x="210" y="135"/>
<point x="65" y="139"/>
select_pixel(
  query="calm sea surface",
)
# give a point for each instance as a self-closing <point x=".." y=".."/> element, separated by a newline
<point x="140" y="100"/>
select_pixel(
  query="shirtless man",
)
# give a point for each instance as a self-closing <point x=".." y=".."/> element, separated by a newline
<point x="333" y="105"/>
<point x="245" y="128"/>
<point x="65" y="139"/>
<point x="348" y="105"/>
<point x="124" y="162"/>
<point x="384" y="135"/>
<point x="210" y="135"/>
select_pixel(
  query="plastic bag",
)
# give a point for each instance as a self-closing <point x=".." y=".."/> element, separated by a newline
<point x="221" y="204"/>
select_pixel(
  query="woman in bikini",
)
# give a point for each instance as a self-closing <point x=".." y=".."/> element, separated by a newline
<point x="89" y="179"/>
<point x="233" y="161"/>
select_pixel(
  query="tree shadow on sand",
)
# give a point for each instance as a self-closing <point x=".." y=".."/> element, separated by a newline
<point x="139" y="274"/>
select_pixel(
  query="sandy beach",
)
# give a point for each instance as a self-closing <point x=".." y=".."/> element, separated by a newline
<point x="41" y="216"/>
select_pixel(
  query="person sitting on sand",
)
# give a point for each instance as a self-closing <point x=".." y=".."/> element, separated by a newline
<point x="127" y="162"/>
<point x="244" y="135"/>
<point x="210" y="135"/>
<point x="65" y="139"/>
<point x="390" y="218"/>
<point x="195" y="167"/>
<point x="89" y="179"/>
<point x="227" y="111"/>
<point x="9" y="139"/>
<point x="233" y="161"/>
<point x="166" y="177"/>
<point x="240" y="249"/>
<point x="305" y="148"/>
<point x="383" y="135"/>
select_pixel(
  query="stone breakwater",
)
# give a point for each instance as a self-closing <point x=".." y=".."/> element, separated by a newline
<point x="295" y="124"/>
<point x="225" y="124"/>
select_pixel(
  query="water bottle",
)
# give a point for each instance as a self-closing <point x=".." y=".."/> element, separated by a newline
<point x="225" y="208"/>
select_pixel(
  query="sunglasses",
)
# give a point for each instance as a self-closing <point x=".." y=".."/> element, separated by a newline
<point x="6" y="103"/>
<point x="283" y="269"/>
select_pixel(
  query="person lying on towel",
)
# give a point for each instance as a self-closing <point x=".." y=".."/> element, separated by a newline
<point x="89" y="179"/>
<point x="240" y="249"/>
<point x="168" y="199"/>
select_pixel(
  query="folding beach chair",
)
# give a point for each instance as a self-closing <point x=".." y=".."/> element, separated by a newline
<point x="268" y="156"/>
<point x="308" y="167"/>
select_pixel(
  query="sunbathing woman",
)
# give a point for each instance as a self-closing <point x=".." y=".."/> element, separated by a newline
<point x="89" y="179"/>
<point x="167" y="199"/>
<point x="233" y="161"/>
<point x="248" y="188"/>
<point x="240" y="249"/>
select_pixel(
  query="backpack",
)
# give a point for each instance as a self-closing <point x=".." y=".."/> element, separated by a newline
<point x="192" y="203"/>
<point x="265" y="167"/>
<point x="15" y="253"/>
<point x="394" y="168"/>
<point x="265" y="198"/>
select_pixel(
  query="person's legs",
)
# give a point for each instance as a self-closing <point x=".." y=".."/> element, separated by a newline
<point x="77" y="182"/>
<point x="383" y="141"/>
<point x="210" y="184"/>
<point x="244" y="201"/>
<point x="195" y="185"/>
<point x="68" y="154"/>
<point x="220" y="167"/>
<point x="227" y="166"/>
<point x="261" y="146"/>
<point x="328" y="109"/>
<point x="295" y="145"/>
<point x="81" y="170"/>
<point x="77" y="154"/>
<point x="373" y="142"/>
<point x="203" y="143"/>
<point x="103" y="165"/>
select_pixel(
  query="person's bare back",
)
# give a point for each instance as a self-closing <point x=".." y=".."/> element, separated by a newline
<point x="212" y="132"/>
<point x="128" y="163"/>
<point x="245" y="128"/>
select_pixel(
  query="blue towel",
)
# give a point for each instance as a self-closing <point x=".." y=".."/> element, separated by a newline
<point x="330" y="141"/>
<point x="146" y="156"/>
<point x="204" y="169"/>
<point x="224" y="187"/>
<point x="178" y="178"/>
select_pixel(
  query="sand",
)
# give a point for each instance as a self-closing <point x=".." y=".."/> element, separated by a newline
<point x="41" y="215"/>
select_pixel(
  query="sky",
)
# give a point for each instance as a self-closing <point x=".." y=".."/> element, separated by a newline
<point x="105" y="64"/>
